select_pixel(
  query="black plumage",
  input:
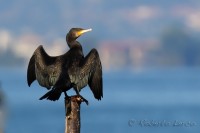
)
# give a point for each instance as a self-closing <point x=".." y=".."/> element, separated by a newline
<point x="70" y="70"/>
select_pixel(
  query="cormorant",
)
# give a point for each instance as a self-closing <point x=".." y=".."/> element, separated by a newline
<point x="70" y="70"/>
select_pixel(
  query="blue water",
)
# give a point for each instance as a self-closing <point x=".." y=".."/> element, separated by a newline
<point x="156" y="100"/>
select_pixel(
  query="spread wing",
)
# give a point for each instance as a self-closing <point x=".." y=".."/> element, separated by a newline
<point x="31" y="71"/>
<point x="43" y="68"/>
<point x="90" y="72"/>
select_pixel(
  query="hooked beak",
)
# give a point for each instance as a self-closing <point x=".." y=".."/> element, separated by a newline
<point x="83" y="31"/>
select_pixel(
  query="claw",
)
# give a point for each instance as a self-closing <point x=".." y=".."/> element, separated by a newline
<point x="82" y="99"/>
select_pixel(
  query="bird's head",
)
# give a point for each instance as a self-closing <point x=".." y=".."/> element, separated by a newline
<point x="74" y="33"/>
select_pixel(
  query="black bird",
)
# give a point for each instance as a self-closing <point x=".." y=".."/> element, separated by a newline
<point x="70" y="70"/>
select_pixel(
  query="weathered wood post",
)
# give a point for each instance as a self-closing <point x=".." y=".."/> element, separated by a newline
<point x="72" y="114"/>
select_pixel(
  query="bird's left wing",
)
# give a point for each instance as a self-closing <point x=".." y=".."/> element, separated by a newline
<point x="90" y="72"/>
<point x="31" y="70"/>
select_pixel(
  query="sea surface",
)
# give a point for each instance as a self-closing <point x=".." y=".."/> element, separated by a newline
<point x="140" y="101"/>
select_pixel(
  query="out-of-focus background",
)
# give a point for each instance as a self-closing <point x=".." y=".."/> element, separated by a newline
<point x="150" y="52"/>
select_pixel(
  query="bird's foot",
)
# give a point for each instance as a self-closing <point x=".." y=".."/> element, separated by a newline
<point x="66" y="96"/>
<point x="82" y="99"/>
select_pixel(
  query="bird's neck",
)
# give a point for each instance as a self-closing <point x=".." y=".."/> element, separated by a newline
<point x="76" y="49"/>
<point x="71" y="41"/>
<point x="74" y="44"/>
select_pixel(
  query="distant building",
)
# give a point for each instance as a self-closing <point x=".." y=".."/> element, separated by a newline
<point x="122" y="54"/>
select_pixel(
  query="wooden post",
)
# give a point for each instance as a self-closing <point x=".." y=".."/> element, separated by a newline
<point x="72" y="114"/>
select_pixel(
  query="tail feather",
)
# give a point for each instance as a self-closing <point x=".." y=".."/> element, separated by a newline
<point x="52" y="95"/>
